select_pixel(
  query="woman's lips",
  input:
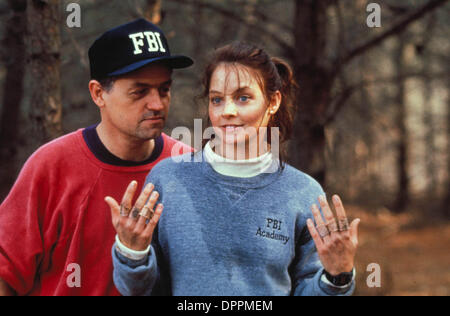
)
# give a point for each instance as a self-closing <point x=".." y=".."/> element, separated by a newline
<point x="231" y="128"/>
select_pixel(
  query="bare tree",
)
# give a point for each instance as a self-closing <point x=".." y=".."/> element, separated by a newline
<point x="14" y="59"/>
<point x="44" y="44"/>
<point x="400" y="121"/>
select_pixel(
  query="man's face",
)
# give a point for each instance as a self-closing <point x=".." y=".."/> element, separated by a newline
<point x="138" y="103"/>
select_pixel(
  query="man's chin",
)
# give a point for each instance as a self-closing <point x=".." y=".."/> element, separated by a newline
<point x="149" y="134"/>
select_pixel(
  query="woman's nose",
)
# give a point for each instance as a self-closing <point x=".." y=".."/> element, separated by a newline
<point x="230" y="108"/>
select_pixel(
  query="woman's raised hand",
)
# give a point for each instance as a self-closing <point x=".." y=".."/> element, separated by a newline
<point x="336" y="241"/>
<point x="135" y="224"/>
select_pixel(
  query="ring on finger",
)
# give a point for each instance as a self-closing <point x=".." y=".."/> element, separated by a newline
<point x="332" y="226"/>
<point x="343" y="224"/>
<point x="135" y="212"/>
<point x="322" y="230"/>
<point x="147" y="213"/>
<point x="124" y="211"/>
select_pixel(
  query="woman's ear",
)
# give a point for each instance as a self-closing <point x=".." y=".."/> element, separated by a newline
<point x="96" y="90"/>
<point x="275" y="103"/>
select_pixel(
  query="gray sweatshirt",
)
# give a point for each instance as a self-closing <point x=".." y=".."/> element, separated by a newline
<point x="227" y="236"/>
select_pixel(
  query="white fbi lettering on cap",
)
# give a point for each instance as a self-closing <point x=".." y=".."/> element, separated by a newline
<point x="153" y="42"/>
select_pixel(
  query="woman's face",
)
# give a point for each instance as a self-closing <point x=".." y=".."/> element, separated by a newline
<point x="237" y="106"/>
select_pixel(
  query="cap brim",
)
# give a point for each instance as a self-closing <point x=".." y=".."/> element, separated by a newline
<point x="174" y="62"/>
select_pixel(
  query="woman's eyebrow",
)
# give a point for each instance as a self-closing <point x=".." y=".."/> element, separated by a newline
<point x="241" y="89"/>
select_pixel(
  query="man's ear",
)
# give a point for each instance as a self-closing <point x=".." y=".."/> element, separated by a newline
<point x="96" y="90"/>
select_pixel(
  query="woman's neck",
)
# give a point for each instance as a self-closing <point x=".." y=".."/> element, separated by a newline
<point x="241" y="151"/>
<point x="244" y="168"/>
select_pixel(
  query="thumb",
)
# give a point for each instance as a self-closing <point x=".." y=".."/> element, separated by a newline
<point x="354" y="230"/>
<point x="115" y="208"/>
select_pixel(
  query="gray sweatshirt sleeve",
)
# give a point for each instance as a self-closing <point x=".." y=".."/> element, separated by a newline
<point x="307" y="270"/>
<point x="135" y="278"/>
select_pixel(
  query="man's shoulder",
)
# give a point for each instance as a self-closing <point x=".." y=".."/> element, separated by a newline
<point x="170" y="143"/>
<point x="53" y="151"/>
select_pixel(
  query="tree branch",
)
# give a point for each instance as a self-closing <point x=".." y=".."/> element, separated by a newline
<point x="232" y="15"/>
<point x="396" y="28"/>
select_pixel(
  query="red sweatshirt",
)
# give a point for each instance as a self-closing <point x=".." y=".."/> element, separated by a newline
<point x="55" y="216"/>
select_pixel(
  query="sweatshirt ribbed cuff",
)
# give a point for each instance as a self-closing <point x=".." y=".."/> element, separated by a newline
<point x="130" y="253"/>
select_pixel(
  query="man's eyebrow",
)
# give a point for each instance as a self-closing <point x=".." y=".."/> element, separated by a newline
<point x="143" y="84"/>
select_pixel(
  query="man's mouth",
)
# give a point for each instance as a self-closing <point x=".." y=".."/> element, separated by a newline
<point x="154" y="119"/>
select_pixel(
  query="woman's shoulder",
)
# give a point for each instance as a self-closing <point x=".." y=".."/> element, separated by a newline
<point x="171" y="165"/>
<point x="300" y="180"/>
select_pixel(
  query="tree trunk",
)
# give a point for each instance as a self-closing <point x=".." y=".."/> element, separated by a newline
<point x="14" y="60"/>
<point x="402" y="197"/>
<point x="446" y="200"/>
<point x="307" y="148"/>
<point x="44" y="48"/>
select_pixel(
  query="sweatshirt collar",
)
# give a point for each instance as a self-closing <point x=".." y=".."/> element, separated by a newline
<point x="237" y="168"/>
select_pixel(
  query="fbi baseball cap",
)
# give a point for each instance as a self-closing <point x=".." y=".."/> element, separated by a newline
<point x="130" y="47"/>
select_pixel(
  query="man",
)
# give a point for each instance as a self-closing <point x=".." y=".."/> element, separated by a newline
<point x="55" y="227"/>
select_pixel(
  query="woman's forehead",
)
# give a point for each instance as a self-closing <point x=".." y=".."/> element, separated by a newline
<point x="228" y="78"/>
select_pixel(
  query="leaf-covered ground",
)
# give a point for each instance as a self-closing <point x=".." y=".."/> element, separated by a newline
<point x="414" y="256"/>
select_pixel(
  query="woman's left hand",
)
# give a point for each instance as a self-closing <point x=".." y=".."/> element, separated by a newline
<point x="335" y="240"/>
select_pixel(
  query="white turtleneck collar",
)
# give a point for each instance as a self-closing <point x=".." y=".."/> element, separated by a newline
<point x="238" y="168"/>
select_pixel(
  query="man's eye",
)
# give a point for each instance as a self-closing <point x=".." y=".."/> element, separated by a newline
<point x="165" y="89"/>
<point x="139" y="92"/>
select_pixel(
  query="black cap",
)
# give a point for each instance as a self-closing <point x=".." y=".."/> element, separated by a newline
<point x="129" y="47"/>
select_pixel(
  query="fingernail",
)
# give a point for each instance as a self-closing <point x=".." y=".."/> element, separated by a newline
<point x="336" y="198"/>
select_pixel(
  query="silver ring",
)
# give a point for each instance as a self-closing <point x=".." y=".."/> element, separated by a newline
<point x="323" y="230"/>
<point x="124" y="211"/>
<point x="343" y="224"/>
<point x="332" y="226"/>
<point x="147" y="213"/>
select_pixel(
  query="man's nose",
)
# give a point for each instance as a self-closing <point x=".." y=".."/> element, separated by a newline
<point x="154" y="101"/>
<point x="230" y="108"/>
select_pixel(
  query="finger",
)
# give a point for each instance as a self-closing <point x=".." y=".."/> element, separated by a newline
<point x="317" y="215"/>
<point x="327" y="213"/>
<point x="140" y="202"/>
<point x="339" y="207"/>
<point x="314" y="233"/>
<point x="140" y="225"/>
<point x="115" y="209"/>
<point x="128" y="197"/>
<point x="354" y="230"/>
<point x="319" y="220"/>
<point x="154" y="221"/>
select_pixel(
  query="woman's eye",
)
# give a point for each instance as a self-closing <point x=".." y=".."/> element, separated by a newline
<point x="244" y="98"/>
<point x="216" y="100"/>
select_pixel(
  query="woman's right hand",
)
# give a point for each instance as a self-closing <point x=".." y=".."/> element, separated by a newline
<point x="135" y="224"/>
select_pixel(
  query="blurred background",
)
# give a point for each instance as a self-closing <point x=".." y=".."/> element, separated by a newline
<point x="374" y="104"/>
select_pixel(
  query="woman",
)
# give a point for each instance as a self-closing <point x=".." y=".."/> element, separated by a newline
<point x="238" y="222"/>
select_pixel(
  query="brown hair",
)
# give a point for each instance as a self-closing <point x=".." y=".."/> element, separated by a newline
<point x="274" y="74"/>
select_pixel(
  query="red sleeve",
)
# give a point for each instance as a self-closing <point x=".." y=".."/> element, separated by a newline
<point x="21" y="242"/>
